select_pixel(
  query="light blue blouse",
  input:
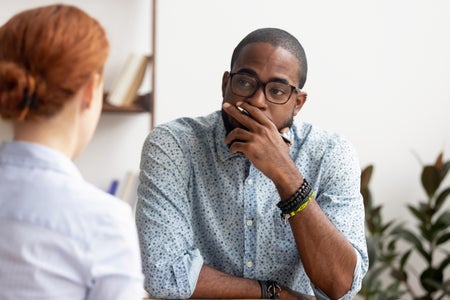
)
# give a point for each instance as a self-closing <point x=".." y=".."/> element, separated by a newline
<point x="60" y="237"/>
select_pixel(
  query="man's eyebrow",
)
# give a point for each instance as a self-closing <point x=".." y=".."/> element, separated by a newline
<point x="280" y="80"/>
<point x="247" y="71"/>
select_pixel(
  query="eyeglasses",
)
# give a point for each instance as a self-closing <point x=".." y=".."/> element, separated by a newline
<point x="244" y="85"/>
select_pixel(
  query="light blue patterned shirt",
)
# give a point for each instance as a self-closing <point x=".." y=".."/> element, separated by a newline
<point x="200" y="204"/>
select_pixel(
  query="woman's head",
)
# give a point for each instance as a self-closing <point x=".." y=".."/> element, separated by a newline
<point x="47" y="54"/>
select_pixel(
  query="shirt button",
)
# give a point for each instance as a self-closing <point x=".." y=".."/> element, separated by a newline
<point x="249" y="222"/>
<point x="250" y="181"/>
<point x="249" y="264"/>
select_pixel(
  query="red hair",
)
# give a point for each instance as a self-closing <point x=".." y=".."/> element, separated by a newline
<point x="47" y="54"/>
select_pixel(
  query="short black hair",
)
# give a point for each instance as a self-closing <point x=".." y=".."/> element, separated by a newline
<point x="277" y="38"/>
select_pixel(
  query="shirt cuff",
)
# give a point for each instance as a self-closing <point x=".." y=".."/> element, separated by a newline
<point x="188" y="271"/>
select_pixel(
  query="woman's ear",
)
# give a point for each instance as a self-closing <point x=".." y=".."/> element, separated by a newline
<point x="299" y="101"/>
<point x="89" y="90"/>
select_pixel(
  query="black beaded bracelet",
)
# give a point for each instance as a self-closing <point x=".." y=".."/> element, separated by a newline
<point x="296" y="200"/>
<point x="269" y="289"/>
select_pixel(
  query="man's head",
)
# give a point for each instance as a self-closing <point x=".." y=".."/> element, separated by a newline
<point x="268" y="70"/>
<point x="277" y="38"/>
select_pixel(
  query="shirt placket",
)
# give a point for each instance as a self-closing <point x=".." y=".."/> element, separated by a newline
<point x="250" y="184"/>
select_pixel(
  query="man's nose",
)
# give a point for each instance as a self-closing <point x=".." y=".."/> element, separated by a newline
<point x="258" y="99"/>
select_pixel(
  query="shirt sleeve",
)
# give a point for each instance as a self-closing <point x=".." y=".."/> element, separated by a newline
<point x="340" y="198"/>
<point x="171" y="263"/>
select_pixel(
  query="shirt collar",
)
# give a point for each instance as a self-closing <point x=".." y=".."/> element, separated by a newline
<point x="36" y="155"/>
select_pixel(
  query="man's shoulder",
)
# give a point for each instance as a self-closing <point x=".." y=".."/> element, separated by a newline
<point x="313" y="135"/>
<point x="192" y="125"/>
<point x="187" y="130"/>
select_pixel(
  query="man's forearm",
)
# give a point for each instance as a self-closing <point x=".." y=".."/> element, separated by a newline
<point x="212" y="283"/>
<point x="328" y="258"/>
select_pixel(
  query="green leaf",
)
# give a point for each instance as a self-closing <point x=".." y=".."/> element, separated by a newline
<point x="444" y="169"/>
<point x="409" y="236"/>
<point x="399" y="275"/>
<point x="393" y="292"/>
<point x="391" y="245"/>
<point x="386" y="226"/>
<point x="414" y="240"/>
<point x="430" y="180"/>
<point x="440" y="200"/>
<point x="442" y="222"/>
<point x="426" y="232"/>
<point x="427" y="210"/>
<point x="367" y="198"/>
<point x="431" y="279"/>
<point x="404" y="258"/>
<point x="443" y="238"/>
<point x="372" y="251"/>
<point x="419" y="214"/>
<point x="366" y="174"/>
<point x="444" y="263"/>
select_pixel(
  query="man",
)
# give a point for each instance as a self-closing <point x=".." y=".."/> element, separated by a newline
<point x="211" y="190"/>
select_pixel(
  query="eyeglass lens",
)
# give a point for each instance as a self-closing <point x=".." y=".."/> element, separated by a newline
<point x="245" y="86"/>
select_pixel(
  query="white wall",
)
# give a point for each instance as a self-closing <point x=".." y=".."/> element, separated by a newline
<point x="379" y="73"/>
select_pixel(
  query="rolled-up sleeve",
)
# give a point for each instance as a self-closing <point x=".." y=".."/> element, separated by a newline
<point x="340" y="199"/>
<point x="170" y="261"/>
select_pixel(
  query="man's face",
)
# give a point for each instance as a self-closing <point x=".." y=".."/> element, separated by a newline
<point x="265" y="63"/>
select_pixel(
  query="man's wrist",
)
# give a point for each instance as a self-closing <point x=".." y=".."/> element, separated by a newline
<point x="269" y="289"/>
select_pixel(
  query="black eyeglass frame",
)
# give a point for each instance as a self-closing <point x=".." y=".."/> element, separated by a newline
<point x="263" y="85"/>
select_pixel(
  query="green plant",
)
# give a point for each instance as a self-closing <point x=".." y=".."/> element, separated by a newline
<point x="428" y="242"/>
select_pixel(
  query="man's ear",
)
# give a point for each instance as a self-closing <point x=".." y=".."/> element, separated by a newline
<point x="299" y="101"/>
<point x="89" y="89"/>
<point x="225" y="77"/>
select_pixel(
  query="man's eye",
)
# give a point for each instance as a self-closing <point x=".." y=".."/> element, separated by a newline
<point x="278" y="91"/>
<point x="245" y="83"/>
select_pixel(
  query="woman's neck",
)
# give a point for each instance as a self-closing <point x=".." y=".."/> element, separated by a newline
<point x="58" y="132"/>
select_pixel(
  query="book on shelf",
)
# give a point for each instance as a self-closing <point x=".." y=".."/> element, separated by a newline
<point x="113" y="187"/>
<point x="126" y="189"/>
<point x="126" y="85"/>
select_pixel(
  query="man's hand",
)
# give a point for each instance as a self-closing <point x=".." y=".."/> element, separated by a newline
<point x="260" y="142"/>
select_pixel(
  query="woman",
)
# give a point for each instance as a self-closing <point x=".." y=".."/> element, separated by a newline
<point x="61" y="238"/>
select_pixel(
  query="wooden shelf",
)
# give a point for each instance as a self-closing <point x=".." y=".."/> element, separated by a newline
<point x="142" y="104"/>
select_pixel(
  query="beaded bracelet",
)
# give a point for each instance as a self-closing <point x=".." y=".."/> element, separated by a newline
<point x="297" y="199"/>
<point x="286" y="216"/>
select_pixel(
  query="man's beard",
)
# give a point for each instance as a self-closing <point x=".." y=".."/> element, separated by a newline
<point x="229" y="126"/>
<point x="227" y="122"/>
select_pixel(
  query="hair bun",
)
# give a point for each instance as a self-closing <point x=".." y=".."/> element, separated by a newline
<point x="13" y="82"/>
